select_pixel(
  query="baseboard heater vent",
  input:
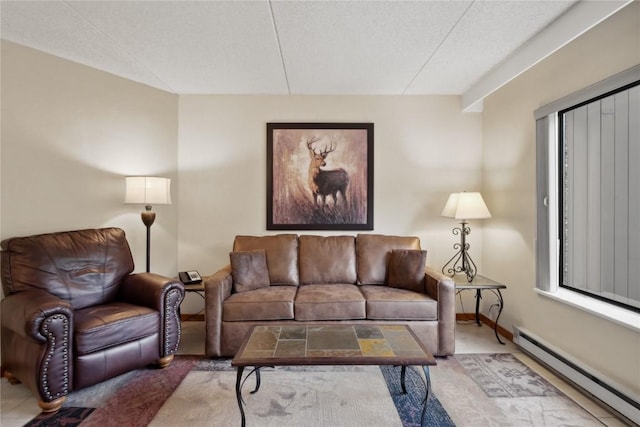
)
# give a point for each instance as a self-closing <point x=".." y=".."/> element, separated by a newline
<point x="612" y="395"/>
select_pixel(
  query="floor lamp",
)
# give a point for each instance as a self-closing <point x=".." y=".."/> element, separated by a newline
<point x="148" y="190"/>
<point x="463" y="206"/>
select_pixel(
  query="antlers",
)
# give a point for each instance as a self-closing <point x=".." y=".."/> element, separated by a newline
<point x="325" y="150"/>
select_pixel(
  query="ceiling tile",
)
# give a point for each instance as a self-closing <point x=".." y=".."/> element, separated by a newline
<point x="198" y="47"/>
<point x="286" y="47"/>
<point x="53" y="27"/>
<point x="359" y="47"/>
<point x="486" y="34"/>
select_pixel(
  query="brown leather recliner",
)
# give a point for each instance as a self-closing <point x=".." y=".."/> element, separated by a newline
<point x="73" y="314"/>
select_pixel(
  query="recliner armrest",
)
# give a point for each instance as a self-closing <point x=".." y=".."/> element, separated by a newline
<point x="148" y="289"/>
<point x="24" y="312"/>
<point x="162" y="294"/>
<point x="37" y="345"/>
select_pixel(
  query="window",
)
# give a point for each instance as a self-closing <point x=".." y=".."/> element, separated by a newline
<point x="588" y="148"/>
<point x="600" y="197"/>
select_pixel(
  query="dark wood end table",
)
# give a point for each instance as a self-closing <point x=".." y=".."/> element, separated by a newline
<point x="198" y="289"/>
<point x="479" y="284"/>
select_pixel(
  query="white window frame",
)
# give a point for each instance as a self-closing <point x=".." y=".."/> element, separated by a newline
<point x="548" y="243"/>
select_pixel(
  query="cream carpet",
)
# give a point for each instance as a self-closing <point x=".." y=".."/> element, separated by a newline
<point x="286" y="398"/>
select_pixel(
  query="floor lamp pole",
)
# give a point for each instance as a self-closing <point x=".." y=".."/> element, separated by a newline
<point x="148" y="217"/>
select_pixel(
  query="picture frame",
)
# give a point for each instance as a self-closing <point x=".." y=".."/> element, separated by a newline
<point x="319" y="176"/>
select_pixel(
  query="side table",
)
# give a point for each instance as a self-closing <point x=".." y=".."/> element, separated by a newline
<point x="479" y="284"/>
<point x="197" y="288"/>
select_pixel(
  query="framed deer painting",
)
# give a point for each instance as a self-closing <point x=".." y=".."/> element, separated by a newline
<point x="319" y="176"/>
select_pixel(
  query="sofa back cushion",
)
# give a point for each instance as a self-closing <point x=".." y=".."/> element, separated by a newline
<point x="282" y="255"/>
<point x="249" y="270"/>
<point x="84" y="267"/>
<point x="374" y="253"/>
<point x="406" y="269"/>
<point x="327" y="259"/>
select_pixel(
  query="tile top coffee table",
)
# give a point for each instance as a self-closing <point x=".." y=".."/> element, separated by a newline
<point x="342" y="344"/>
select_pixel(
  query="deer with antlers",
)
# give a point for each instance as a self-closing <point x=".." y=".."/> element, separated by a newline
<point x="322" y="182"/>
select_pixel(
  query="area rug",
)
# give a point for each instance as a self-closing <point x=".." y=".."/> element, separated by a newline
<point x="503" y="375"/>
<point x="201" y="392"/>
<point x="499" y="390"/>
<point x="467" y="390"/>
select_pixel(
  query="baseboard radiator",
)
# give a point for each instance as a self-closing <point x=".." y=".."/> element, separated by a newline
<point x="595" y="384"/>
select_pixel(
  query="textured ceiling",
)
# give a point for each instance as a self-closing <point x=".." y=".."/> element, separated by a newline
<point x="286" y="47"/>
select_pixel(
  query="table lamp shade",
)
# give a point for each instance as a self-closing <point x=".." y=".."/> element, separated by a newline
<point x="466" y="206"/>
<point x="148" y="190"/>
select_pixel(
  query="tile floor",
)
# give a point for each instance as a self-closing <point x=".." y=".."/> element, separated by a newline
<point x="17" y="406"/>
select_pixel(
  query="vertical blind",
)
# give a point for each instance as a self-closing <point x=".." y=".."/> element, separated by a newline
<point x="600" y="197"/>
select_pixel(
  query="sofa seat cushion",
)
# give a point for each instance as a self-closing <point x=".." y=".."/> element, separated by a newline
<point x="386" y="303"/>
<point x="104" y="326"/>
<point x="272" y="303"/>
<point x="331" y="301"/>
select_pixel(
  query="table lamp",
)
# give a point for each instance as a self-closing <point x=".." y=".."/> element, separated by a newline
<point x="148" y="190"/>
<point x="463" y="206"/>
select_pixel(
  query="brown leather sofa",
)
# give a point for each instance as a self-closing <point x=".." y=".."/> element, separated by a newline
<point x="319" y="280"/>
<point x="73" y="315"/>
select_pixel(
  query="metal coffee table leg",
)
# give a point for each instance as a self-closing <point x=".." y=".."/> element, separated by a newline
<point x="428" y="392"/>
<point x="240" y="383"/>
<point x="427" y="385"/>
<point x="239" y="370"/>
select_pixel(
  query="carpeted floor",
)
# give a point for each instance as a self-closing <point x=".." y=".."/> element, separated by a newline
<point x="467" y="390"/>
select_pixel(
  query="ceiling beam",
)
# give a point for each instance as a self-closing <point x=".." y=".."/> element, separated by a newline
<point x="578" y="20"/>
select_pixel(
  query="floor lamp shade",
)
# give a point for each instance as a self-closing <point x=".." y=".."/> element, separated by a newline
<point x="147" y="191"/>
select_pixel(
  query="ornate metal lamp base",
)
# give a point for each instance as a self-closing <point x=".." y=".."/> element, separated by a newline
<point x="461" y="262"/>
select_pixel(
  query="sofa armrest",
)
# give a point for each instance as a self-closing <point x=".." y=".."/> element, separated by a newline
<point x="443" y="289"/>
<point x="37" y="331"/>
<point x="162" y="294"/>
<point x="217" y="288"/>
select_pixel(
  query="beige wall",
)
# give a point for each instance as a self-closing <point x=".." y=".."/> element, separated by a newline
<point x="509" y="185"/>
<point x="424" y="149"/>
<point x="71" y="133"/>
<point x="69" y="136"/>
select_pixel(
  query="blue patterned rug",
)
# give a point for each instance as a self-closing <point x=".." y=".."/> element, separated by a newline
<point x="410" y="405"/>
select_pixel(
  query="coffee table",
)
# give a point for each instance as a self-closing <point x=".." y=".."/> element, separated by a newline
<point x="342" y="344"/>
